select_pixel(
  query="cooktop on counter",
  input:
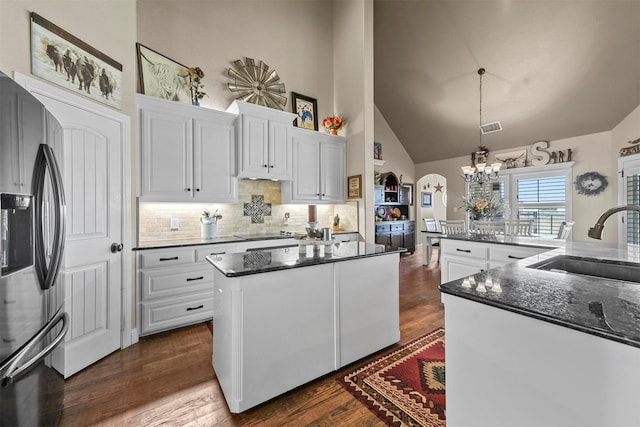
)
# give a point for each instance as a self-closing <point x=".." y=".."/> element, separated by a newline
<point x="267" y="235"/>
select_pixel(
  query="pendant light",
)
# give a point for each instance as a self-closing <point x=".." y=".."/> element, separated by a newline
<point x="481" y="172"/>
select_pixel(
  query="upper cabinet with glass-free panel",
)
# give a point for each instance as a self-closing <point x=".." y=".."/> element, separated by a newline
<point x="319" y="169"/>
<point x="264" y="141"/>
<point x="24" y="125"/>
<point x="187" y="153"/>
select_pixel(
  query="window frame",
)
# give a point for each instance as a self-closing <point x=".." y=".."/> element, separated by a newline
<point x="511" y="176"/>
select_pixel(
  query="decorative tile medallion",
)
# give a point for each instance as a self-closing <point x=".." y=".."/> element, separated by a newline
<point x="257" y="209"/>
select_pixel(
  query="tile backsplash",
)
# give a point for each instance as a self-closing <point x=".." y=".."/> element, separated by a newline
<point x="257" y="201"/>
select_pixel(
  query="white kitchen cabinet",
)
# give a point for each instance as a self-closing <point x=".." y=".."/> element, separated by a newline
<point x="264" y="141"/>
<point x="461" y="258"/>
<point x="187" y="153"/>
<point x="279" y="329"/>
<point x="175" y="286"/>
<point x="368" y="324"/>
<point x="346" y="237"/>
<point x="504" y="254"/>
<point x="16" y="126"/>
<point x="511" y="357"/>
<point x="319" y="169"/>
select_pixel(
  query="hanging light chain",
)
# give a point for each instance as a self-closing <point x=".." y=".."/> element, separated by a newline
<point x="482" y="172"/>
<point x="481" y="71"/>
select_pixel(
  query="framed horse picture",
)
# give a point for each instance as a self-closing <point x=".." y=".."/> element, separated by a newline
<point x="307" y="110"/>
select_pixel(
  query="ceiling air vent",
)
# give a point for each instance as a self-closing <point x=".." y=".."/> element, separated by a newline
<point x="491" y="127"/>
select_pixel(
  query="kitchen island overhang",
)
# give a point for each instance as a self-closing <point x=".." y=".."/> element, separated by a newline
<point x="536" y="348"/>
<point x="283" y="318"/>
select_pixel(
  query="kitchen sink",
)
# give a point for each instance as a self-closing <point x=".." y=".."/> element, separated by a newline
<point x="608" y="269"/>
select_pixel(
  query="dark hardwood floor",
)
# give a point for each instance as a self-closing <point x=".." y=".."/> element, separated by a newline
<point x="167" y="379"/>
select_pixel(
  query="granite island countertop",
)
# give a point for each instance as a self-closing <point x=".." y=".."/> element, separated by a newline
<point x="263" y="261"/>
<point x="515" y="240"/>
<point x="561" y="298"/>
<point x="240" y="237"/>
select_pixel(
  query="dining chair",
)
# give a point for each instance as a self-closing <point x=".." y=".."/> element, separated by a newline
<point x="518" y="227"/>
<point x="452" y="226"/>
<point x="430" y="224"/>
<point x="565" y="230"/>
<point x="489" y="227"/>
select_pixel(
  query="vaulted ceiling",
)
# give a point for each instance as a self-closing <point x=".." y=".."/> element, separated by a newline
<point x="554" y="69"/>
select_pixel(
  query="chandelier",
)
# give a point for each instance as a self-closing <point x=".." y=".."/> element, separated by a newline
<point x="480" y="172"/>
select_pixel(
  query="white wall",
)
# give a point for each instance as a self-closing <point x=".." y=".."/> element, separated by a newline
<point x="353" y="96"/>
<point x="294" y="39"/>
<point x="109" y="26"/>
<point x="438" y="209"/>
<point x="592" y="152"/>
<point x="396" y="158"/>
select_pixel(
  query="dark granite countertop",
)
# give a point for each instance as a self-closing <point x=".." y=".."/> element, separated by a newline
<point x="565" y="299"/>
<point x="502" y="239"/>
<point x="241" y="237"/>
<point x="167" y="244"/>
<point x="262" y="261"/>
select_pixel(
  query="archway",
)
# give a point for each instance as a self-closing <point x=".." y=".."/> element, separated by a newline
<point x="431" y="198"/>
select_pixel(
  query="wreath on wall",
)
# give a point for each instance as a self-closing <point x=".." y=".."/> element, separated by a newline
<point x="591" y="183"/>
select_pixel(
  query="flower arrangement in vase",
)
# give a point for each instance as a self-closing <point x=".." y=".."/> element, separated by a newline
<point x="195" y="84"/>
<point x="333" y="124"/>
<point x="484" y="205"/>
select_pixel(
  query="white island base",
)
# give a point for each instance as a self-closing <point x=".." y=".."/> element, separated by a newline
<point x="506" y="369"/>
<point x="276" y="330"/>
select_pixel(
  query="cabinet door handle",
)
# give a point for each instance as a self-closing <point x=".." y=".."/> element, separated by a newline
<point x="169" y="259"/>
<point x="463" y="250"/>
<point x="195" y="308"/>
<point x="515" y="257"/>
<point x="218" y="253"/>
<point x="191" y="279"/>
<point x="197" y="189"/>
<point x="187" y="189"/>
<point x="264" y="166"/>
<point x="271" y="166"/>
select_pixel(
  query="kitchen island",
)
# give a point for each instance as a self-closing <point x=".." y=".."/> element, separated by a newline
<point x="531" y="347"/>
<point x="283" y="317"/>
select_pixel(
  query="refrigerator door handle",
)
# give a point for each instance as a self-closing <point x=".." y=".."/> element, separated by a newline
<point x="17" y="368"/>
<point x="46" y="162"/>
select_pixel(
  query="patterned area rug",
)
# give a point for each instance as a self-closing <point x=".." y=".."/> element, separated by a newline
<point x="405" y="387"/>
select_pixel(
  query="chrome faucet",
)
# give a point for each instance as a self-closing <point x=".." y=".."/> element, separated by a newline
<point x="595" y="232"/>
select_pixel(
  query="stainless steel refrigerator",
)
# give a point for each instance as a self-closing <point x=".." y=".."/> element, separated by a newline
<point x="32" y="320"/>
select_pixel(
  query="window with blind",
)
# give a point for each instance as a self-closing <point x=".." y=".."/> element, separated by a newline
<point x="544" y="201"/>
<point x="538" y="193"/>
<point x="633" y="217"/>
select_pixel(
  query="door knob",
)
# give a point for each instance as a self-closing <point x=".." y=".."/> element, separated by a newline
<point x="116" y="247"/>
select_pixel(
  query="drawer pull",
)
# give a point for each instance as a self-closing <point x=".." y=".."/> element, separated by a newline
<point x="191" y="279"/>
<point x="515" y="257"/>
<point x="8" y="340"/>
<point x="463" y="250"/>
<point x="218" y="253"/>
<point x="195" y="308"/>
<point x="169" y="259"/>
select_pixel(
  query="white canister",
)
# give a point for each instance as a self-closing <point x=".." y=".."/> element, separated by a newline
<point x="208" y="229"/>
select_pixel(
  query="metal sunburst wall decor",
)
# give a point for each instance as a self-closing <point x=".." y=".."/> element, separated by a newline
<point x="256" y="83"/>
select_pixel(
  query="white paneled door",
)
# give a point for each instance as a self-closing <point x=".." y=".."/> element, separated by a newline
<point x="91" y="159"/>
